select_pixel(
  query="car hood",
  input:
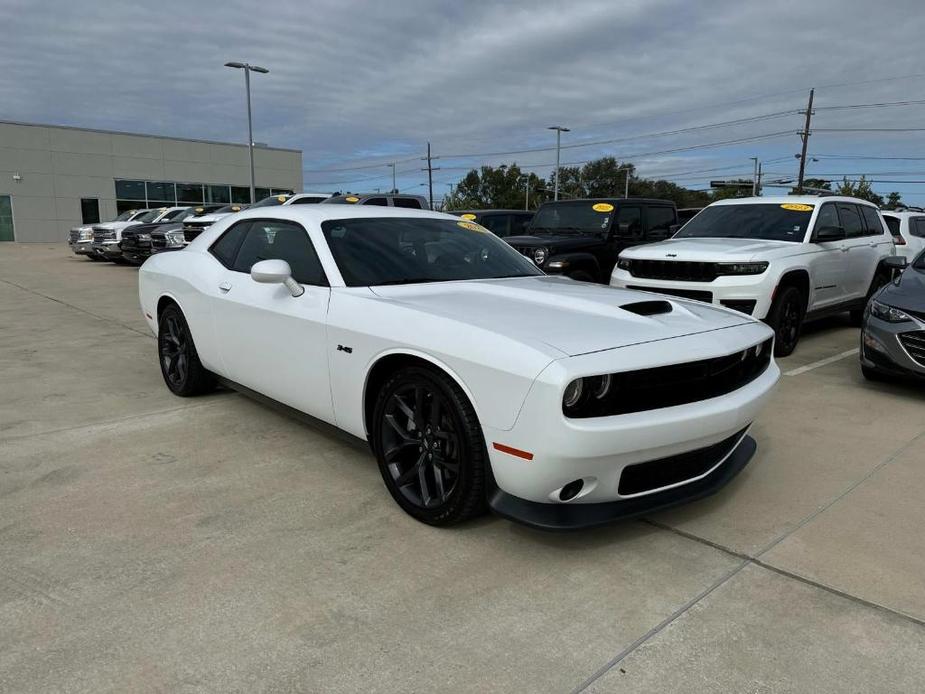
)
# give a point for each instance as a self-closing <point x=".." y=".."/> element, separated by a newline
<point x="114" y="226"/>
<point x="572" y="317"/>
<point x="155" y="226"/>
<point x="906" y="292"/>
<point x="709" y="249"/>
<point x="554" y="240"/>
<point x="208" y="218"/>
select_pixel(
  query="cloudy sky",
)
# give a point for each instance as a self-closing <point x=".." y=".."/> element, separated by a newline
<point x="360" y="84"/>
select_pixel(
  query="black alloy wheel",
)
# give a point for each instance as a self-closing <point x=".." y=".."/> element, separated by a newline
<point x="786" y="319"/>
<point x="429" y="446"/>
<point x="180" y="366"/>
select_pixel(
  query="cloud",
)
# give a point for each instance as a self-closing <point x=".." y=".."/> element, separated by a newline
<point x="354" y="82"/>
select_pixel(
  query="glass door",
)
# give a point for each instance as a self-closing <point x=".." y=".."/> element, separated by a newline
<point x="6" y="218"/>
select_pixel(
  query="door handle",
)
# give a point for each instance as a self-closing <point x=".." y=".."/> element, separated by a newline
<point x="225" y="286"/>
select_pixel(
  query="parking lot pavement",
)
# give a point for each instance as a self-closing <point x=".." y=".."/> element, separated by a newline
<point x="153" y="543"/>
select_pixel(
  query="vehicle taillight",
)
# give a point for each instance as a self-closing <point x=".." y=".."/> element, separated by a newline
<point x="899" y="240"/>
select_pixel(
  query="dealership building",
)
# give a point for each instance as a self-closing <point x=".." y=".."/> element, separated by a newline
<point x="53" y="178"/>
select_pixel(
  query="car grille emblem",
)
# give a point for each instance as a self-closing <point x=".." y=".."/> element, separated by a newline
<point x="671" y="255"/>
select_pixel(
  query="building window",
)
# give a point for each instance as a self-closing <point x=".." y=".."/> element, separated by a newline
<point x="132" y="195"/>
<point x="126" y="205"/>
<point x="130" y="190"/>
<point x="190" y="193"/>
<point x="89" y="211"/>
<point x="218" y="194"/>
<point x="240" y="194"/>
<point x="161" y="191"/>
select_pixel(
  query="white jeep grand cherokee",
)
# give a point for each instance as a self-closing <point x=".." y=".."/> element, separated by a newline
<point x="781" y="259"/>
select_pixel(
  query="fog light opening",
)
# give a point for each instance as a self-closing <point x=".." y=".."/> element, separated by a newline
<point x="571" y="490"/>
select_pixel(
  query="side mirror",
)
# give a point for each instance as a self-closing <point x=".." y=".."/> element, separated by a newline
<point x="276" y="271"/>
<point x="895" y="262"/>
<point x="830" y="233"/>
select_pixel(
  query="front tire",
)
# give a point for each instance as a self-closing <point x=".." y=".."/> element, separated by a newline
<point x="430" y="447"/>
<point x="183" y="373"/>
<point x="786" y="319"/>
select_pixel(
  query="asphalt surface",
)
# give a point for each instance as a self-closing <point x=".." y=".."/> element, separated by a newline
<point x="152" y="543"/>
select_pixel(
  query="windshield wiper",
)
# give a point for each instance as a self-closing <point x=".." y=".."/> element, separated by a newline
<point x="407" y="280"/>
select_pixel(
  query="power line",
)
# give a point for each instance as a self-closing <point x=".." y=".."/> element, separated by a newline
<point x="360" y="168"/>
<point x="866" y="156"/>
<point x="882" y="104"/>
<point x="867" y="130"/>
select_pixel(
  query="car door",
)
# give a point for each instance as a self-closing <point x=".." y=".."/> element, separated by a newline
<point x="827" y="262"/>
<point x="861" y="258"/>
<point x="659" y="221"/>
<point x="270" y="341"/>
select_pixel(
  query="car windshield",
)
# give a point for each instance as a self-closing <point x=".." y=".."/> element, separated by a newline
<point x="919" y="263"/>
<point x="148" y="216"/>
<point x="573" y="217"/>
<point x="125" y="216"/>
<point x="228" y="209"/>
<point x="176" y="214"/>
<point x="376" y="251"/>
<point x="772" y="221"/>
<point x="271" y="201"/>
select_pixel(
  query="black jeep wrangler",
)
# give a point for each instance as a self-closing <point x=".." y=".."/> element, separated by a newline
<point x="582" y="238"/>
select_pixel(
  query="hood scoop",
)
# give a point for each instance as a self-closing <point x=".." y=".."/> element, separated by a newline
<point x="648" y="308"/>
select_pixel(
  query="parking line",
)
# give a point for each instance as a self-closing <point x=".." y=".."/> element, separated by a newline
<point x="822" y="362"/>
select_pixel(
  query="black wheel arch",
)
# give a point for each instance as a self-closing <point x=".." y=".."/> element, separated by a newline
<point x="795" y="278"/>
<point x="578" y="261"/>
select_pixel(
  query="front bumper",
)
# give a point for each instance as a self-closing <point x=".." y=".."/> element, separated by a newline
<point x="109" y="250"/>
<point x="882" y="350"/>
<point x="81" y="247"/>
<point x="726" y="290"/>
<point x="598" y="451"/>
<point x="579" y="516"/>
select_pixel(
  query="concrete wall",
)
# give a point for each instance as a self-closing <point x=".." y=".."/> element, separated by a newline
<point x="58" y="166"/>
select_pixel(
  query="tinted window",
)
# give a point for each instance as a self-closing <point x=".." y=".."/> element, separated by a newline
<point x="917" y="226"/>
<point x="892" y="223"/>
<point x="306" y="201"/>
<point x="495" y="223"/>
<point x="827" y="217"/>
<point x="405" y="251"/>
<point x="411" y="203"/>
<point x="274" y="239"/>
<point x="240" y="194"/>
<point x="660" y="219"/>
<point x="770" y="221"/>
<point x="871" y="220"/>
<point x="148" y="216"/>
<point x="572" y="216"/>
<point x="161" y="191"/>
<point x="629" y="222"/>
<point x="89" y="210"/>
<point x="226" y="247"/>
<point x="189" y="192"/>
<point x="272" y="201"/>
<point x="176" y="214"/>
<point x="382" y="202"/>
<point x="850" y="219"/>
<point x="130" y="190"/>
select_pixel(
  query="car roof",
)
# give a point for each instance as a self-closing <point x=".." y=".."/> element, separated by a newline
<point x="612" y="201"/>
<point x="491" y="211"/>
<point x="316" y="214"/>
<point x="793" y="199"/>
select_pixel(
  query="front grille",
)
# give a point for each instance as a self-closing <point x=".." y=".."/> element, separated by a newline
<point x="192" y="229"/>
<point x="914" y="343"/>
<point x="159" y="241"/>
<point x="656" y="474"/>
<point x="73" y="236"/>
<point x="694" y="294"/>
<point x="680" y="270"/>
<point x="746" y="306"/>
<point x="103" y="235"/>
<point x="678" y="384"/>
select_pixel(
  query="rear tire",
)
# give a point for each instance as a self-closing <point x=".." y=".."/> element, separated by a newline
<point x="183" y="373"/>
<point x="786" y="319"/>
<point x="430" y="447"/>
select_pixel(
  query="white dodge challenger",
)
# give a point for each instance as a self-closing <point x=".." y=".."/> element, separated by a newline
<point x="478" y="381"/>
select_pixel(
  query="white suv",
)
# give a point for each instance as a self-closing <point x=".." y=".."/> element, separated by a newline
<point x="781" y="259"/>
<point x="908" y="229"/>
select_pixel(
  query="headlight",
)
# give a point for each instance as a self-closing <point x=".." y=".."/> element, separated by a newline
<point x="888" y="313"/>
<point x="539" y="256"/>
<point x="142" y="237"/>
<point x="174" y="238"/>
<point x="86" y="235"/>
<point x="624" y="264"/>
<point x="741" y="268"/>
<point x="583" y="391"/>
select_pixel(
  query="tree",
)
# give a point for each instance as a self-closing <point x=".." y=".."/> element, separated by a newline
<point x="731" y="192"/>
<point x="495" y="187"/>
<point x="893" y="200"/>
<point x="819" y="183"/>
<point x="859" y="189"/>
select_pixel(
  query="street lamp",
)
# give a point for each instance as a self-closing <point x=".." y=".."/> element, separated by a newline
<point x="559" y="130"/>
<point x="250" y="129"/>
<point x="394" y="189"/>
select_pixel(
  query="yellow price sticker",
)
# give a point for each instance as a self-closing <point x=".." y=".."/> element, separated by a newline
<point x="472" y="226"/>
<point x="602" y="207"/>
<point x="797" y="207"/>
<point x="352" y="198"/>
<point x="281" y="198"/>
<point x="468" y="216"/>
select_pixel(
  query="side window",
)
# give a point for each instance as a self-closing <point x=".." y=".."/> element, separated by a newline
<point x="306" y="201"/>
<point x="871" y="220"/>
<point x="660" y="218"/>
<point x="226" y="247"/>
<point x="519" y="223"/>
<point x="827" y="217"/>
<point x="274" y="239"/>
<point x="629" y="222"/>
<point x="496" y="224"/>
<point x="892" y="224"/>
<point x="411" y="203"/>
<point x="851" y="219"/>
<point x="917" y="227"/>
<point x="382" y="202"/>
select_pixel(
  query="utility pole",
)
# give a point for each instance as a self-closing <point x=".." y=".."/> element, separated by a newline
<point x="394" y="189"/>
<point x="430" y="176"/>
<point x="805" y="136"/>
<point x="527" y="192"/>
<point x="758" y="191"/>
<point x="559" y="130"/>
<point x="755" y="177"/>
<point x="626" y="185"/>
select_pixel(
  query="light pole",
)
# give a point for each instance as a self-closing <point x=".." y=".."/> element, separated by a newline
<point x="250" y="127"/>
<point x="394" y="189"/>
<point x="559" y="130"/>
<point x="755" y="177"/>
